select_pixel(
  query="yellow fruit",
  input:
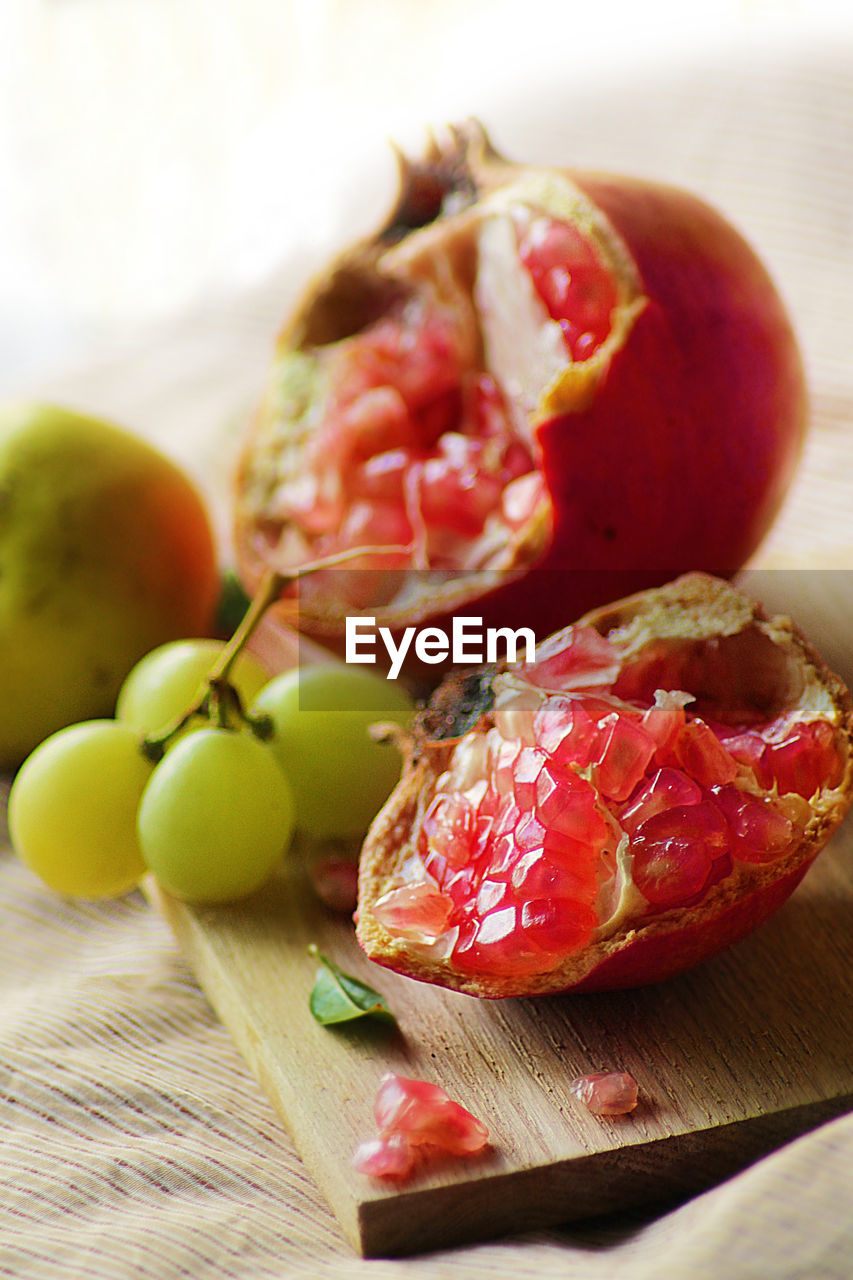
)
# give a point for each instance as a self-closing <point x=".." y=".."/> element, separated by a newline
<point x="106" y="551"/>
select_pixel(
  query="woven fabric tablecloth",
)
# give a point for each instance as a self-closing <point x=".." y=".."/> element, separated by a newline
<point x="133" y="1140"/>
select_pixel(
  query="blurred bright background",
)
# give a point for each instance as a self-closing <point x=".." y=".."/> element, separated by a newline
<point x="161" y="157"/>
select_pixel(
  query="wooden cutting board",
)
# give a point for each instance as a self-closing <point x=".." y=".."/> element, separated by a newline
<point x="732" y="1059"/>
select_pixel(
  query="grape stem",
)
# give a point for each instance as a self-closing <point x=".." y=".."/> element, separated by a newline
<point x="220" y="700"/>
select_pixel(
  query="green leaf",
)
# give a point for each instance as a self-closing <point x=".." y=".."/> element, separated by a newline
<point x="339" y="997"/>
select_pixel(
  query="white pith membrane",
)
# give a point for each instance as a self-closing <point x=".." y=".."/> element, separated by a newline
<point x="461" y="315"/>
<point x="776" y="697"/>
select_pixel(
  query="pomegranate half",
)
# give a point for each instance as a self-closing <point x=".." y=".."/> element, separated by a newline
<point x="531" y="390"/>
<point x="641" y="796"/>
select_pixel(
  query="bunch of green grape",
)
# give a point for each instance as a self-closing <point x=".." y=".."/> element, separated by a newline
<point x="93" y="808"/>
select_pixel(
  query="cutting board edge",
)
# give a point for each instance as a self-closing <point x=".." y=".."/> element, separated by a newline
<point x="419" y="1219"/>
<point x="663" y="1172"/>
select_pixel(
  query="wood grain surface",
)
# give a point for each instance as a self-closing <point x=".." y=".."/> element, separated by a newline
<point x="732" y="1059"/>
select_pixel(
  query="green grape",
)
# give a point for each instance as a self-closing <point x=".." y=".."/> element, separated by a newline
<point x="72" y="809"/>
<point x="216" y="816"/>
<point x="168" y="680"/>
<point x="339" y="775"/>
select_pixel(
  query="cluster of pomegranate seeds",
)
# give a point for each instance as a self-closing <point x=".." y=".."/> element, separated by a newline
<point x="412" y="1115"/>
<point x="541" y="824"/>
<point x="578" y="291"/>
<point x="414" y="452"/>
<point x="418" y="450"/>
<point x="606" y="1093"/>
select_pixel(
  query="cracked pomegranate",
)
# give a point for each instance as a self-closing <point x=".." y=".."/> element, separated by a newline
<point x="645" y="793"/>
<point x="486" y="393"/>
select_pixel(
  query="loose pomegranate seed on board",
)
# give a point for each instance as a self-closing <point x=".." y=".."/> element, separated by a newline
<point x="385" y="1157"/>
<point x="415" y="1117"/>
<point x="425" y="1114"/>
<point x="335" y="882"/>
<point x="606" y="1093"/>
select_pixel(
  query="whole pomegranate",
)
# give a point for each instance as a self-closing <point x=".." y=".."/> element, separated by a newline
<point x="642" y="795"/>
<point x="531" y="391"/>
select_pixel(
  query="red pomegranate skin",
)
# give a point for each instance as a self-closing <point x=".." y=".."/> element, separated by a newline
<point x="684" y="453"/>
<point x="656" y="957"/>
<point x="694" y="432"/>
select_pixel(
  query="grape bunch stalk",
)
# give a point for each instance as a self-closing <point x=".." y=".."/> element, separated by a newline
<point x="207" y="770"/>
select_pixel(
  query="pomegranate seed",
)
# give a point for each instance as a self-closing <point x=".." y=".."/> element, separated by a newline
<point x="529" y="834"/>
<point x="668" y="787"/>
<point x="606" y="1093"/>
<point x="526" y="769"/>
<point x="574" y="856"/>
<point x="806" y="761"/>
<point x="457" y="494"/>
<point x="522" y="498"/>
<point x="502" y="855"/>
<point x="449" y="828"/>
<point x="701" y="754"/>
<point x="535" y="875"/>
<point x="514" y="717"/>
<point x="565" y="805"/>
<point x="507" y="817"/>
<point x="565" y="730"/>
<point x="422" y="1113"/>
<point x="430" y="367"/>
<point x="495" y="943"/>
<point x="388" y="1157"/>
<point x="674" y="850"/>
<point x="488" y="805"/>
<point x="381" y="477"/>
<point x="665" y="719"/>
<point x="433" y="419"/>
<point x="557" y="925"/>
<point x="376" y="524"/>
<point x="500" y="760"/>
<point x="506" y="955"/>
<point x="517" y="462"/>
<point x="583" y="346"/>
<point x="335" y="882"/>
<point x="670" y="874"/>
<point x="489" y="413"/>
<point x="750" y="749"/>
<point x="703" y="821"/>
<point x="496" y="926"/>
<point x="461" y="887"/>
<point x="572" y="282"/>
<point x="375" y="421"/>
<point x="414" y="909"/>
<point x="491" y="894"/>
<point x="760" y="832"/>
<point x="624" y="752"/>
<point x="574" y="659"/>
